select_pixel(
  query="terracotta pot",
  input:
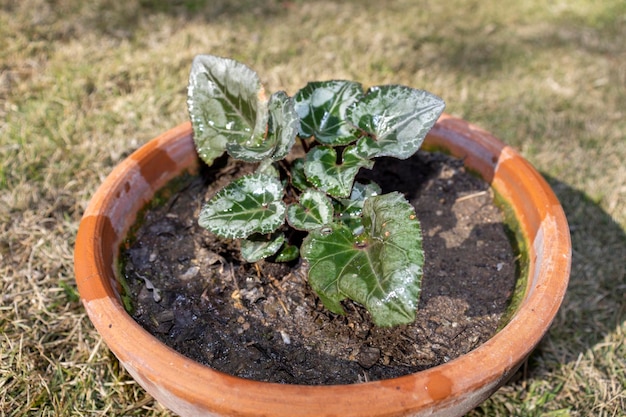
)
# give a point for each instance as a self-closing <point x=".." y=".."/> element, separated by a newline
<point x="451" y="389"/>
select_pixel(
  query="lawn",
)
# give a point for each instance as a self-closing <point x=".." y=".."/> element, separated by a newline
<point x="83" y="84"/>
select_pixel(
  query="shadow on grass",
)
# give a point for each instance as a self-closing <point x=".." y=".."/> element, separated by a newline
<point x="73" y="19"/>
<point x="210" y="10"/>
<point x="595" y="303"/>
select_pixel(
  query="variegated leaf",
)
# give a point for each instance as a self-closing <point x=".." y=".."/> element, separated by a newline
<point x="281" y="134"/>
<point x="380" y="268"/>
<point x="298" y="177"/>
<point x="283" y="124"/>
<point x="226" y="103"/>
<point x="257" y="246"/>
<point x="323" y="171"/>
<point x="251" y="204"/>
<point x="313" y="210"/>
<point x="396" y="119"/>
<point x="322" y="106"/>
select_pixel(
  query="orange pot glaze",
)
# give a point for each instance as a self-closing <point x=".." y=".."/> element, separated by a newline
<point x="451" y="389"/>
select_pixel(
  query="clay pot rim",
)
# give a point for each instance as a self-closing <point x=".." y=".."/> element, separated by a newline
<point x="483" y="369"/>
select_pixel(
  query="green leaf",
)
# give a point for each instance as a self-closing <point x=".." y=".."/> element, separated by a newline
<point x="312" y="211"/>
<point x="281" y="135"/>
<point x="360" y="192"/>
<point x="257" y="246"/>
<point x="323" y="171"/>
<point x="396" y="118"/>
<point x="381" y="268"/>
<point x="226" y="103"/>
<point x="298" y="178"/>
<point x="251" y="204"/>
<point x="283" y="124"/>
<point x="322" y="106"/>
<point x="288" y="253"/>
<point x="350" y="210"/>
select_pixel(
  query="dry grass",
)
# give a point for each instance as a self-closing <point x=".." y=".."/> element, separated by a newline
<point x="84" y="83"/>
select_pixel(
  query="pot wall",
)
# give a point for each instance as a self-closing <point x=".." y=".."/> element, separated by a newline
<point x="452" y="389"/>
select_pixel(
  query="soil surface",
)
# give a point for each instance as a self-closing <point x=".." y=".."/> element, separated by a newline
<point x="262" y="321"/>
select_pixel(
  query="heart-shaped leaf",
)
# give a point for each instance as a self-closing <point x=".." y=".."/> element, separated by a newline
<point x="396" y="119"/>
<point x="312" y="211"/>
<point x="251" y="204"/>
<point x="323" y="171"/>
<point x="226" y="103"/>
<point x="322" y="106"/>
<point x="381" y="268"/>
<point x="257" y="246"/>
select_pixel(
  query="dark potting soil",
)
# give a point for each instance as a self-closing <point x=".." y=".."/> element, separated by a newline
<point x="262" y="321"/>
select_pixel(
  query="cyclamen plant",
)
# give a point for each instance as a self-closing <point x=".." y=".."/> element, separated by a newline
<point x="361" y="244"/>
